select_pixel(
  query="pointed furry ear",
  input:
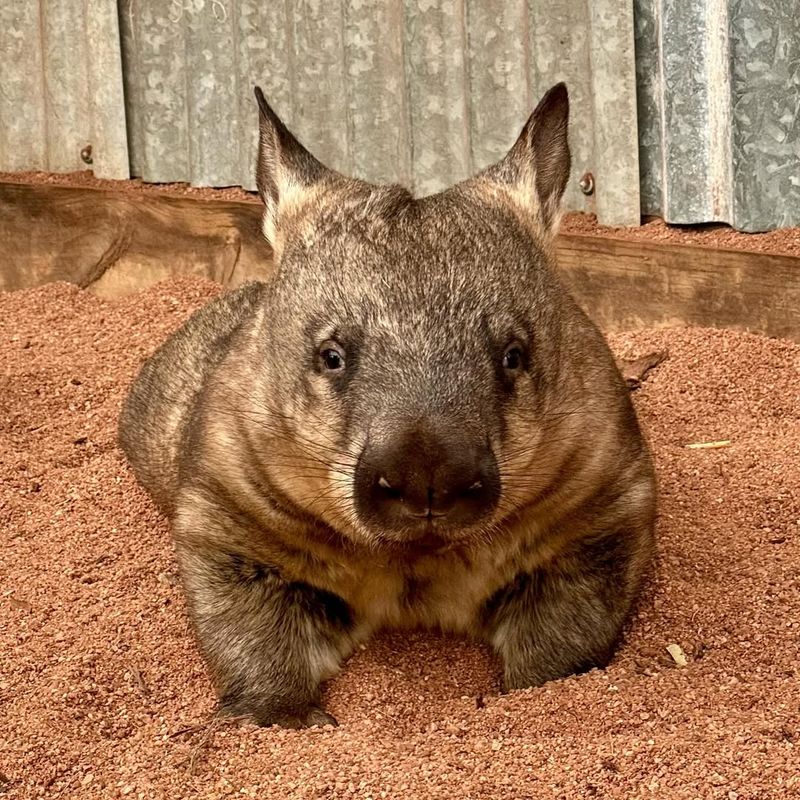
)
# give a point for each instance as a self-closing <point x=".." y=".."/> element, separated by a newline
<point x="285" y="169"/>
<point x="537" y="166"/>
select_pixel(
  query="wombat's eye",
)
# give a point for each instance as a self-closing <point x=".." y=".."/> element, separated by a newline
<point x="513" y="358"/>
<point x="331" y="356"/>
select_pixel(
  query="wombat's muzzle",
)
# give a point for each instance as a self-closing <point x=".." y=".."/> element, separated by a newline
<point x="421" y="481"/>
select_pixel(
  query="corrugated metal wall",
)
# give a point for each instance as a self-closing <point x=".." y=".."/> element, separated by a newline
<point x="61" y="87"/>
<point x="424" y="92"/>
<point x="719" y="100"/>
<point x="420" y="91"/>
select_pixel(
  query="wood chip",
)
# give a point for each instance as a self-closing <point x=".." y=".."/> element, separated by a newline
<point x="678" y="656"/>
<point x="22" y="605"/>
<point x="634" y="371"/>
<point x="137" y="677"/>
<point x="168" y="578"/>
<point x="709" y="445"/>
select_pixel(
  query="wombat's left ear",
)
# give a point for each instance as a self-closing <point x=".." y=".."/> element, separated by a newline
<point x="537" y="166"/>
<point x="285" y="169"/>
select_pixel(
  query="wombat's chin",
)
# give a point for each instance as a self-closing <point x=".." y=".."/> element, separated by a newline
<point x="427" y="538"/>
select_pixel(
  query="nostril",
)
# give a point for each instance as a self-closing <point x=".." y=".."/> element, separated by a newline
<point x="388" y="489"/>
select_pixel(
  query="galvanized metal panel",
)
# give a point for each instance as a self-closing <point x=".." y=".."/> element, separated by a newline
<point x="616" y="154"/>
<point x="559" y="36"/>
<point x="263" y="47"/>
<point x="155" y="74"/>
<point x="438" y="80"/>
<point x="61" y="87"/>
<point x="421" y="91"/>
<point x="719" y="97"/>
<point x="23" y="130"/>
<point x="424" y="92"/>
<point x="377" y="100"/>
<point x="765" y="37"/>
<point x="691" y="100"/>
<point x="499" y="68"/>
<point x="210" y="83"/>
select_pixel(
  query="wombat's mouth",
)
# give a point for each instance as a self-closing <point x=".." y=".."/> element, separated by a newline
<point x="426" y="536"/>
<point x="426" y="529"/>
<point x="428" y="543"/>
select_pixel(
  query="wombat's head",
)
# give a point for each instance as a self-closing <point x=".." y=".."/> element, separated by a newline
<point x="411" y="345"/>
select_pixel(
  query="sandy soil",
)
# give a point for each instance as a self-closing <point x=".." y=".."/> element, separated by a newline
<point x="102" y="689"/>
<point x="780" y="242"/>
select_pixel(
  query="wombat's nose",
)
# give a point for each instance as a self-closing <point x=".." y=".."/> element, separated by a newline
<point x="422" y="476"/>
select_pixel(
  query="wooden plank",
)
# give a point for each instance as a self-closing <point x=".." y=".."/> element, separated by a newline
<point x="627" y="284"/>
<point x="114" y="243"/>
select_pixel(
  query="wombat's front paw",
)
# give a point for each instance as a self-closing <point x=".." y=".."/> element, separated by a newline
<point x="312" y="717"/>
<point x="308" y="717"/>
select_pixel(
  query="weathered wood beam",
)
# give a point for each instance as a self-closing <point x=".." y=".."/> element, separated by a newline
<point x="115" y="242"/>
<point x="625" y="284"/>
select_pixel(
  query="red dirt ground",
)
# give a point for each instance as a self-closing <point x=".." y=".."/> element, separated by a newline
<point x="101" y="685"/>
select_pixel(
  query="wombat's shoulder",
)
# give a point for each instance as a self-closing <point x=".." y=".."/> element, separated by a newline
<point x="215" y="320"/>
<point x="161" y="400"/>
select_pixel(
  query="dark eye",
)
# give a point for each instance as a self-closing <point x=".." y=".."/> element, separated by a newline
<point x="331" y="356"/>
<point x="512" y="358"/>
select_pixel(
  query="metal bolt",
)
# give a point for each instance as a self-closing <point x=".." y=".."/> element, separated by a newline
<point x="587" y="183"/>
<point x="86" y="154"/>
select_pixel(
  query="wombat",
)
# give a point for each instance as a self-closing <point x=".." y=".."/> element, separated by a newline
<point x="411" y="424"/>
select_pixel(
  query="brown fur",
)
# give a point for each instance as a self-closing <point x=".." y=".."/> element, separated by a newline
<point x="252" y="448"/>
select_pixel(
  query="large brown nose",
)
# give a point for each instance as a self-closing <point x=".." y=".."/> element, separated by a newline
<point x="421" y="474"/>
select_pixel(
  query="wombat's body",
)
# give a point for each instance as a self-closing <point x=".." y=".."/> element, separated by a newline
<point x="412" y="424"/>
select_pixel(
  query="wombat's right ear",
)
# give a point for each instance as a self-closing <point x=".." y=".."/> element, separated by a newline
<point x="285" y="169"/>
<point x="536" y="169"/>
